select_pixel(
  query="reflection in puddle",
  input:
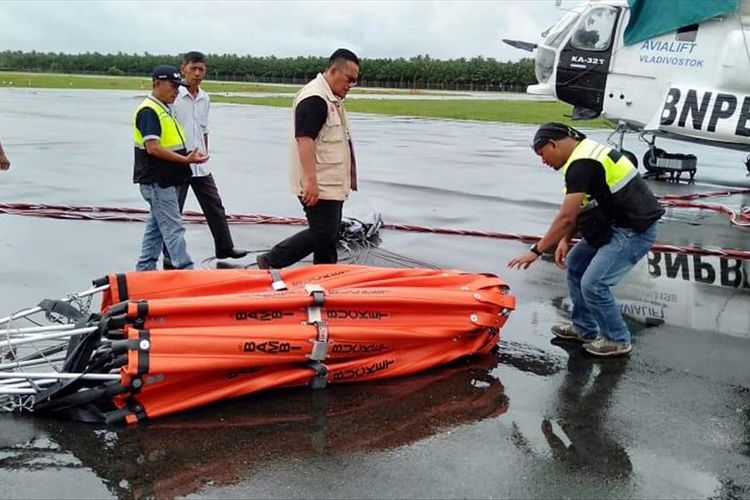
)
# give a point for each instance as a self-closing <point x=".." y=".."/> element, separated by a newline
<point x="689" y="291"/>
<point x="221" y="444"/>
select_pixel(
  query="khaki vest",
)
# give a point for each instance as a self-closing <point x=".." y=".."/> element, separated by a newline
<point x="332" y="151"/>
<point x="617" y="173"/>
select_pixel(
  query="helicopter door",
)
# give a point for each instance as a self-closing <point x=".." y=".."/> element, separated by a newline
<point x="584" y="61"/>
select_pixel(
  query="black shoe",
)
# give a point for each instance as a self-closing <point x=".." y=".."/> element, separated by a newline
<point x="263" y="262"/>
<point x="232" y="253"/>
<point x="167" y="264"/>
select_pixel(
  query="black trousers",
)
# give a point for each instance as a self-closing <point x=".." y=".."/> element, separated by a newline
<point x="320" y="238"/>
<point x="208" y="198"/>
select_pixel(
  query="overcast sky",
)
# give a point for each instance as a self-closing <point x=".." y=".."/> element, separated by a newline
<point x="442" y="29"/>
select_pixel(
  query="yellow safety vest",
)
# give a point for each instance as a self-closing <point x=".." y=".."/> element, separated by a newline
<point x="172" y="134"/>
<point x="618" y="170"/>
<point x="148" y="169"/>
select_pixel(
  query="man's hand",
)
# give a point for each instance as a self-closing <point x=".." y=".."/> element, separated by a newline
<point x="4" y="161"/>
<point x="561" y="226"/>
<point x="155" y="149"/>
<point x="310" y="190"/>
<point x="523" y="261"/>
<point x="196" y="156"/>
<point x="561" y="253"/>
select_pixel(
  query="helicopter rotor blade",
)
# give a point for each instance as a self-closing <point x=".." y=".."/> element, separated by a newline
<point x="520" y="44"/>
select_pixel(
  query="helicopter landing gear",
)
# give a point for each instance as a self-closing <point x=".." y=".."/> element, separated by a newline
<point x="663" y="166"/>
<point x="620" y="131"/>
<point x="651" y="156"/>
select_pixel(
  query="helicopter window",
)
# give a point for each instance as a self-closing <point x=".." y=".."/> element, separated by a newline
<point x="687" y="33"/>
<point x="557" y="33"/>
<point x="594" y="32"/>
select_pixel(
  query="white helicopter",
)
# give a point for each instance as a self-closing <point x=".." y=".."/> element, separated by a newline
<point x="663" y="68"/>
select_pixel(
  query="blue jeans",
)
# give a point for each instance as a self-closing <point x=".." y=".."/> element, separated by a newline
<point x="592" y="272"/>
<point x="164" y="227"/>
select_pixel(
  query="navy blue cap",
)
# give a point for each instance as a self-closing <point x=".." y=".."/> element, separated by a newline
<point x="169" y="73"/>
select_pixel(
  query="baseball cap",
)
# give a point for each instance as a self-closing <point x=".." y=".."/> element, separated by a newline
<point x="169" y="73"/>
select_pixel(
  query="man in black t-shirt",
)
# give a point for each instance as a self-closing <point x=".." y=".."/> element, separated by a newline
<point x="615" y="211"/>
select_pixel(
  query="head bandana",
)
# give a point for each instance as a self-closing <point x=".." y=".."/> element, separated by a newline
<point x="553" y="131"/>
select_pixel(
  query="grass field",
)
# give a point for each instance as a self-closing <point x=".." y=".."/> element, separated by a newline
<point x="531" y="112"/>
<point x="484" y="110"/>
<point x="62" y="81"/>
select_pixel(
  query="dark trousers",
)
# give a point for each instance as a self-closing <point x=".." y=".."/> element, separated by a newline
<point x="208" y="198"/>
<point x="320" y="238"/>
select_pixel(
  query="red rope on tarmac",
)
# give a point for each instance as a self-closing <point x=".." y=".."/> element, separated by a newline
<point x="125" y="214"/>
<point x="741" y="218"/>
<point x="710" y="194"/>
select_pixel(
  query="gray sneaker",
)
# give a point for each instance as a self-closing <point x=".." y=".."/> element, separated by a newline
<point x="606" y="347"/>
<point x="567" y="331"/>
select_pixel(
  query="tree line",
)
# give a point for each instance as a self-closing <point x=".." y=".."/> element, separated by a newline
<point x="421" y="71"/>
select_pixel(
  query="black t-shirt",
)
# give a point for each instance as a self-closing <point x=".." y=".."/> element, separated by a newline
<point x="634" y="206"/>
<point x="586" y="176"/>
<point x="147" y="123"/>
<point x="309" y="117"/>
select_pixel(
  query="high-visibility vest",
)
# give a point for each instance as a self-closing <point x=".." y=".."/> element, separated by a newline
<point x="148" y="169"/>
<point x="618" y="170"/>
<point x="172" y="134"/>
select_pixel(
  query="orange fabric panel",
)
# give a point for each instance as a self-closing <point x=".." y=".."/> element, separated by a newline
<point x="395" y="305"/>
<point x="409" y="361"/>
<point x="203" y="282"/>
<point x="339" y="309"/>
<point x="177" y="350"/>
<point x="175" y="392"/>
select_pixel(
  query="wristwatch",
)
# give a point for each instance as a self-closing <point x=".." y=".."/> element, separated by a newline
<point x="535" y="249"/>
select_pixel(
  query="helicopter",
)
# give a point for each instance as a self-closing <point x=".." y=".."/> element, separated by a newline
<point x="674" y="69"/>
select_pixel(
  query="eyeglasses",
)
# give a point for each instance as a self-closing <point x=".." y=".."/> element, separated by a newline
<point x="352" y="80"/>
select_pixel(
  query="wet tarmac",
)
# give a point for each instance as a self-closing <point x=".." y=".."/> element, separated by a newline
<point x="535" y="420"/>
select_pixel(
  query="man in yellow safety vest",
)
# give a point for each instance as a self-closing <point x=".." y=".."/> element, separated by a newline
<point x="616" y="213"/>
<point x="161" y="166"/>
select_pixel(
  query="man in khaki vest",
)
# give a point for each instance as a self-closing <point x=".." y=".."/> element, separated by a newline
<point x="322" y="168"/>
<point x="4" y="161"/>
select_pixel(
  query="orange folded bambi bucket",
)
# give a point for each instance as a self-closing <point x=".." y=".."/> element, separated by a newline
<point x="165" y="342"/>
